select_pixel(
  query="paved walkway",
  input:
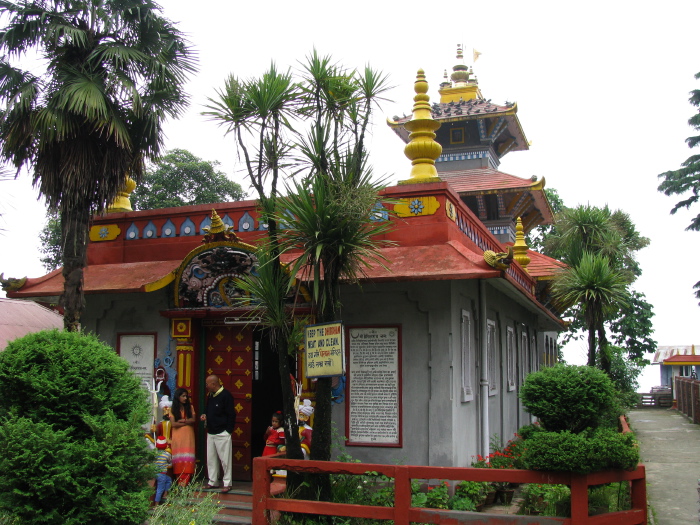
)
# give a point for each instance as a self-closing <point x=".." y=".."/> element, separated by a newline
<point x="670" y="449"/>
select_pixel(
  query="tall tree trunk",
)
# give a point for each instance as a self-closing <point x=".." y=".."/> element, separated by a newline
<point x="322" y="441"/>
<point x="75" y="225"/>
<point x="291" y="426"/>
<point x="605" y="364"/>
<point x="591" y="345"/>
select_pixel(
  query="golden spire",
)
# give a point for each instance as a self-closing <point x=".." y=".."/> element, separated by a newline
<point x="463" y="86"/>
<point x="217" y="225"/>
<point x="218" y="230"/>
<point x="520" y="247"/>
<point x="122" y="202"/>
<point x="422" y="149"/>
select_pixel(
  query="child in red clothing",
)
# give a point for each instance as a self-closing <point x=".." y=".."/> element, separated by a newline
<point x="274" y="435"/>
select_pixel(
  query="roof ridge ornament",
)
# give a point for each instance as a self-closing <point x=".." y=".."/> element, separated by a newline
<point x="121" y="202"/>
<point x="218" y="230"/>
<point x="422" y="149"/>
<point x="499" y="260"/>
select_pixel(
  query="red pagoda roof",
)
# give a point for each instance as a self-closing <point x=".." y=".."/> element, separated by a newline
<point x="543" y="267"/>
<point x="486" y="180"/>
<point x="445" y="243"/>
<point x="101" y="278"/>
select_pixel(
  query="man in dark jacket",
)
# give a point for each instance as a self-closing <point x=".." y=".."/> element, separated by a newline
<point x="219" y="418"/>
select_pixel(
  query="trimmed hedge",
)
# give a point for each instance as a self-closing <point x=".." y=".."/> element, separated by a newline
<point x="72" y="449"/>
<point x="569" y="398"/>
<point x="586" y="452"/>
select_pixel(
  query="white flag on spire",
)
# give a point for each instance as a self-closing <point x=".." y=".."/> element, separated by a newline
<point x="477" y="54"/>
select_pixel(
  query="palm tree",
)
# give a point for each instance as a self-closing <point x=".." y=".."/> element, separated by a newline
<point x="331" y="203"/>
<point x="329" y="214"/>
<point x="258" y="113"/>
<point x="114" y="70"/>
<point x="579" y="234"/>
<point x="600" y="289"/>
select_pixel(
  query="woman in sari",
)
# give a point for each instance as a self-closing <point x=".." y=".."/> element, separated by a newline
<point x="182" y="417"/>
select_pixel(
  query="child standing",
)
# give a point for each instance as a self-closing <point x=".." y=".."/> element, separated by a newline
<point x="274" y="436"/>
<point x="164" y="460"/>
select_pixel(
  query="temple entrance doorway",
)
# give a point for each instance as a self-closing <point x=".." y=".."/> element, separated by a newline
<point x="241" y="357"/>
<point x="229" y="355"/>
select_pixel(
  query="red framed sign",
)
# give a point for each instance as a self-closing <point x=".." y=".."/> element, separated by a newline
<point x="373" y="408"/>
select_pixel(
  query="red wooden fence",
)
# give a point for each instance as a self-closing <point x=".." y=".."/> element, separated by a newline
<point x="402" y="513"/>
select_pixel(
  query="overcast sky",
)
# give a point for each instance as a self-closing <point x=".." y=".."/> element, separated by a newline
<point x="602" y="90"/>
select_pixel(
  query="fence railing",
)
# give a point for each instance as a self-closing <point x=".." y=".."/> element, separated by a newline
<point x="688" y="397"/>
<point x="402" y="513"/>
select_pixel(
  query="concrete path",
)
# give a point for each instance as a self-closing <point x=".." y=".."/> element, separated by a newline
<point x="670" y="449"/>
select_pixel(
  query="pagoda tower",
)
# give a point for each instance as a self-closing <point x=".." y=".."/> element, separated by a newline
<point x="475" y="134"/>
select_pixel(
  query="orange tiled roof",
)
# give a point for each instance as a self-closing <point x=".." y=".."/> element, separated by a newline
<point x="542" y="266"/>
<point x="477" y="180"/>
<point x="101" y="278"/>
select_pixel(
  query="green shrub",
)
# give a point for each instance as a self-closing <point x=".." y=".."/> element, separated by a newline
<point x="72" y="449"/>
<point x="566" y="397"/>
<point x="590" y="451"/>
<point x="473" y="490"/>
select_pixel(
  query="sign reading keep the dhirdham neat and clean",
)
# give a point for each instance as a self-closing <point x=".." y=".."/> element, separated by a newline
<point x="324" y="346"/>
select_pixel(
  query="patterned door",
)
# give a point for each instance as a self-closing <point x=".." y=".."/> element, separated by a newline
<point x="229" y="351"/>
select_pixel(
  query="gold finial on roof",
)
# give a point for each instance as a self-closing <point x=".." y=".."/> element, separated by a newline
<point x="121" y="202"/>
<point x="217" y="225"/>
<point x="520" y="246"/>
<point x="463" y="86"/>
<point x="422" y="149"/>
<point x="218" y="230"/>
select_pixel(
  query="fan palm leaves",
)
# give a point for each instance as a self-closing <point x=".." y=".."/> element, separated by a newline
<point x="114" y="70"/>
<point x="599" y="289"/>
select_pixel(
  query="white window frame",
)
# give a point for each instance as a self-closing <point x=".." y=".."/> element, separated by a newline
<point x="524" y="355"/>
<point x="510" y="358"/>
<point x="491" y="351"/>
<point x="467" y="355"/>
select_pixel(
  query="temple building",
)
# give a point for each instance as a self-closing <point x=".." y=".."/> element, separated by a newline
<point x="437" y="343"/>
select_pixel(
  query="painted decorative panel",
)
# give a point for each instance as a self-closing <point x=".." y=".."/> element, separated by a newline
<point x="187" y="228"/>
<point x="208" y="279"/>
<point x="150" y="232"/>
<point x="247" y="223"/>
<point x="132" y="233"/>
<point x="168" y="229"/>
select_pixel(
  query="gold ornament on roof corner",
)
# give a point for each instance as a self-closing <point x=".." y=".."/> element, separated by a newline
<point x="11" y="284"/>
<point x="499" y="260"/>
<point x="218" y="231"/>
<point x="520" y="246"/>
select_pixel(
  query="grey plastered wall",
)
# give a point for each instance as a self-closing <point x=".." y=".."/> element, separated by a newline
<point x="107" y="315"/>
<point x="405" y="304"/>
<point x="439" y="428"/>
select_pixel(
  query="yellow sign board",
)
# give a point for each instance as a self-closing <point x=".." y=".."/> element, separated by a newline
<point x="324" y="344"/>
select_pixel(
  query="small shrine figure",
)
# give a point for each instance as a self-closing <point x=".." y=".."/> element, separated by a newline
<point x="305" y="430"/>
<point x="164" y="428"/>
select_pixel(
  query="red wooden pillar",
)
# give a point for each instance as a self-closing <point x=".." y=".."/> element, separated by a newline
<point x="262" y="478"/>
<point x="638" y="492"/>
<point x="402" y="495"/>
<point x="579" y="499"/>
